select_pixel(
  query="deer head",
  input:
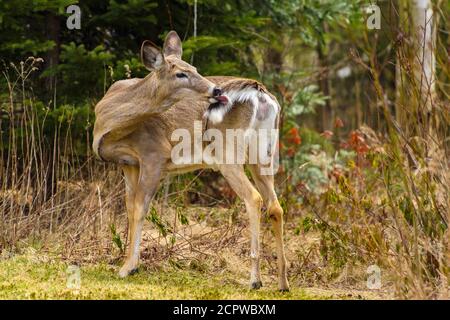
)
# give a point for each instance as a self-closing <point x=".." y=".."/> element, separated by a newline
<point x="129" y="102"/>
<point x="174" y="78"/>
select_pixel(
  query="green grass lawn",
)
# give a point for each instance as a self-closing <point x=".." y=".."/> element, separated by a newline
<point x="25" y="277"/>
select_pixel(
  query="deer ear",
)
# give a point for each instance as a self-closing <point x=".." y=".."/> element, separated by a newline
<point x="173" y="45"/>
<point x="151" y="55"/>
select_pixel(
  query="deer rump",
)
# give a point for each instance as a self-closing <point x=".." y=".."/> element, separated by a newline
<point x="263" y="120"/>
<point x="117" y="116"/>
<point x="239" y="90"/>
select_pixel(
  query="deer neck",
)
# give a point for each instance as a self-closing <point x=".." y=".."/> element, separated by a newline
<point x="155" y="94"/>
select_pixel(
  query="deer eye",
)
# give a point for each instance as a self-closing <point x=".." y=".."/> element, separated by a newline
<point x="181" y="75"/>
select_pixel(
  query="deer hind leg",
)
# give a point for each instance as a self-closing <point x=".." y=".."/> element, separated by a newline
<point x="146" y="184"/>
<point x="265" y="185"/>
<point x="235" y="175"/>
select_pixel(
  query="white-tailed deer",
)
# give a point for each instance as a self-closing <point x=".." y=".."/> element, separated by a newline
<point x="134" y="124"/>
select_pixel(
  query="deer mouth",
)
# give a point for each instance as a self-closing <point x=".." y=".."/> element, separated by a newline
<point x="222" y="99"/>
<point x="219" y="99"/>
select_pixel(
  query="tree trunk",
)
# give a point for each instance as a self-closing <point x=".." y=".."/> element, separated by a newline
<point x="416" y="67"/>
<point x="425" y="44"/>
<point x="53" y="29"/>
<point x="326" y="121"/>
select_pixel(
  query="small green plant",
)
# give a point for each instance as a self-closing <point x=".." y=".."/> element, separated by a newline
<point x="154" y="218"/>
<point x="182" y="216"/>
<point x="116" y="238"/>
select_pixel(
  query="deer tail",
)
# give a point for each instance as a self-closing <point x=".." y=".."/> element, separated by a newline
<point x="243" y="91"/>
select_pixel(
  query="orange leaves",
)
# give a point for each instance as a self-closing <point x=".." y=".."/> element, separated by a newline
<point x="290" y="152"/>
<point x="293" y="131"/>
<point x="294" y="137"/>
<point x="297" y="140"/>
<point x="358" y="143"/>
<point x="292" y="140"/>
<point x="338" y="123"/>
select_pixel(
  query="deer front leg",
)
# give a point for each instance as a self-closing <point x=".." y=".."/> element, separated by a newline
<point x="131" y="177"/>
<point x="146" y="187"/>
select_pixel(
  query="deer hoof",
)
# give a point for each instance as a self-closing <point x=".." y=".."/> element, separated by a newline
<point x="124" y="272"/>
<point x="284" y="287"/>
<point x="256" y="285"/>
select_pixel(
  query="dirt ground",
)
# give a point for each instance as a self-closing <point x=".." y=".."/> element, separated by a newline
<point x="207" y="258"/>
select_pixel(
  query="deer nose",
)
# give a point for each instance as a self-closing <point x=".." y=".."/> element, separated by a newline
<point x="217" y="92"/>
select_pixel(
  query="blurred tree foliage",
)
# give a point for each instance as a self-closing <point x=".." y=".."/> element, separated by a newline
<point x="303" y="50"/>
<point x="236" y="37"/>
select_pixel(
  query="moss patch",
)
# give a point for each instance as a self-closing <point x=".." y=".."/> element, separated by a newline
<point x="35" y="277"/>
